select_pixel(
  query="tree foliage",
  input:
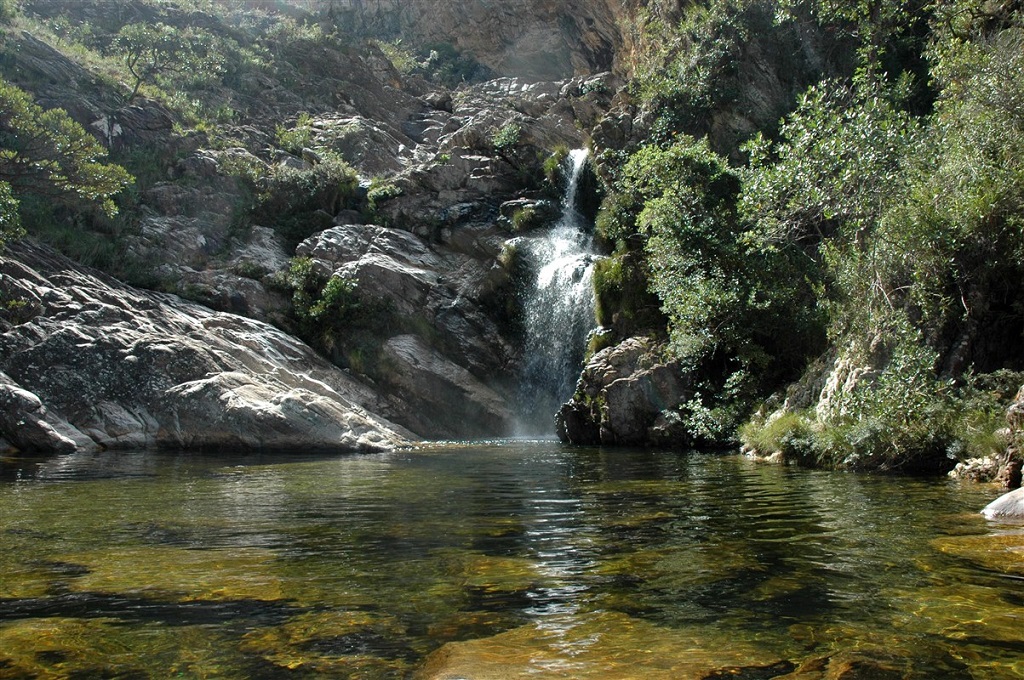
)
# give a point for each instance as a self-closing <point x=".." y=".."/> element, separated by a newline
<point x="887" y="206"/>
<point x="45" y="153"/>
<point x="737" y="310"/>
<point x="153" y="51"/>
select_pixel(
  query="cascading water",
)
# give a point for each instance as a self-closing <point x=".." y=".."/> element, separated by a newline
<point x="558" y="310"/>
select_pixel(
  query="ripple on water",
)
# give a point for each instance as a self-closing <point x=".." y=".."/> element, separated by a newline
<point x="515" y="559"/>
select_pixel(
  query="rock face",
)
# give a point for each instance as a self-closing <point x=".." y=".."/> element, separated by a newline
<point x="426" y="252"/>
<point x="1012" y="461"/>
<point x="626" y="395"/>
<point x="90" y="363"/>
<point x="443" y="348"/>
<point x="533" y="39"/>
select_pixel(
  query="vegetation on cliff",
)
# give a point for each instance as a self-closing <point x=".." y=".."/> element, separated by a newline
<point x="883" y="213"/>
<point x="47" y="156"/>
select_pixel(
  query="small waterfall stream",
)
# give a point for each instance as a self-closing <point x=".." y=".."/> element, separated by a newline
<point x="558" y="310"/>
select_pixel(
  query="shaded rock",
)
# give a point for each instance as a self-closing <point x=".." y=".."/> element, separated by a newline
<point x="625" y="395"/>
<point x="124" y="368"/>
<point x="28" y="426"/>
<point x="1008" y="506"/>
<point x="441" y="398"/>
<point x="1009" y="474"/>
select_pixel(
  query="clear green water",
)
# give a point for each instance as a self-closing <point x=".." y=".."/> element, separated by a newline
<point x="511" y="559"/>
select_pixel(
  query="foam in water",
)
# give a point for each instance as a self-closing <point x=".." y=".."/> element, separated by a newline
<point x="558" y="310"/>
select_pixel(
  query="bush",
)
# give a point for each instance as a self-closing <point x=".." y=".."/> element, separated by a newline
<point x="295" y="139"/>
<point x="299" y="203"/>
<point x="322" y="306"/>
<point x="8" y="10"/>
<point x="622" y="300"/>
<point x="507" y="137"/>
<point x="380" y="192"/>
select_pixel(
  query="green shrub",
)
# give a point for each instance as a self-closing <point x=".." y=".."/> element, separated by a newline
<point x="507" y="137"/>
<point x="403" y="59"/>
<point x="622" y="300"/>
<point x="323" y="306"/>
<point x="8" y="10"/>
<point x="295" y="139"/>
<point x="380" y="191"/>
<point x="791" y="433"/>
<point x="299" y="203"/>
<point x="526" y="218"/>
<point x="553" y="165"/>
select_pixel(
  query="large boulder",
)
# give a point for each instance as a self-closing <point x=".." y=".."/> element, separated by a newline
<point x="1008" y="506"/>
<point x="627" y="394"/>
<point x="88" y="362"/>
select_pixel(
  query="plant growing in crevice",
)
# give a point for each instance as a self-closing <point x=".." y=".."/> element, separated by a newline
<point x="322" y="305"/>
<point x="298" y="203"/>
<point x="380" y="191"/>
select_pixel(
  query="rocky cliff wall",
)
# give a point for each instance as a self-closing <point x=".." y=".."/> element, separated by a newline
<point x="530" y="39"/>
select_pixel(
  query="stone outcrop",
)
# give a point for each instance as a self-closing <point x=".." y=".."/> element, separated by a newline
<point x="444" y="301"/>
<point x="444" y="347"/>
<point x="1012" y="461"/>
<point x="1008" y="506"/>
<point x="89" y="363"/>
<point x="628" y="395"/>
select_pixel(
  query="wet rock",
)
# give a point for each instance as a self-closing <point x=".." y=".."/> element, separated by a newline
<point x="105" y="365"/>
<point x="625" y="395"/>
<point x="1008" y="506"/>
<point x="602" y="645"/>
<point x="850" y="666"/>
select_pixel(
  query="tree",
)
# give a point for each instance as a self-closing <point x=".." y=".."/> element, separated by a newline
<point x="45" y="153"/>
<point x="154" y="51"/>
<point x="741" y="315"/>
<point x="10" y="224"/>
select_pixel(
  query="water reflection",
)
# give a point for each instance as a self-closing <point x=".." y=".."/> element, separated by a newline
<point x="518" y="559"/>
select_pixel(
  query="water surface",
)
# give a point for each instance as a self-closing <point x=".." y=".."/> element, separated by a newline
<point x="498" y="560"/>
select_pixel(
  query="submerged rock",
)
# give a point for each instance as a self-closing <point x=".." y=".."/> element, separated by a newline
<point x="93" y="363"/>
<point x="603" y="645"/>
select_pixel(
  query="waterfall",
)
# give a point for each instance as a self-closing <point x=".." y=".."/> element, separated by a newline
<point x="558" y="310"/>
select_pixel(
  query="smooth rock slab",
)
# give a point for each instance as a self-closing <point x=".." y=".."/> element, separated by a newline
<point x="99" y="364"/>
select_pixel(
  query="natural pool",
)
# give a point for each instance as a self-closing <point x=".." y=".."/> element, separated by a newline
<point x="498" y="560"/>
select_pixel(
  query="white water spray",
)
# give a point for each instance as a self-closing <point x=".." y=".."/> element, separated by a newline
<point x="559" y="310"/>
